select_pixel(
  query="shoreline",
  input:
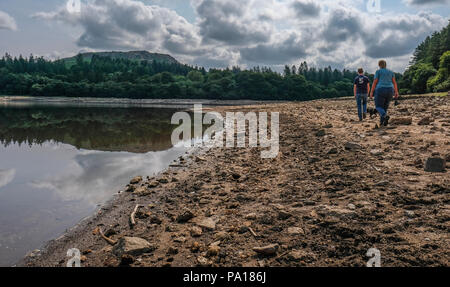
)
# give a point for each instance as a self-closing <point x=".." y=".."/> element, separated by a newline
<point x="316" y="201"/>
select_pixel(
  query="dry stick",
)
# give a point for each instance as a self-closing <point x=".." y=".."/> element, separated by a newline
<point x="133" y="215"/>
<point x="253" y="232"/>
<point x="109" y="240"/>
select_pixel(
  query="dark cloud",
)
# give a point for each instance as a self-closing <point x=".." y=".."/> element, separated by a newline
<point x="306" y="9"/>
<point x="341" y="26"/>
<point x="275" y="54"/>
<point x="426" y="2"/>
<point x="224" y="21"/>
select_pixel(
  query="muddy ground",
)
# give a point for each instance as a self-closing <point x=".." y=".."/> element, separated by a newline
<point x="337" y="188"/>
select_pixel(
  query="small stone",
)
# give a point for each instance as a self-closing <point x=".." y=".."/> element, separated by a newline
<point x="185" y="216"/>
<point x="333" y="150"/>
<point x="352" y="146"/>
<point x="425" y="121"/>
<point x="251" y="216"/>
<point x="213" y="250"/>
<point x="267" y="250"/>
<point x="180" y="239"/>
<point x="83" y="258"/>
<point x="410" y="213"/>
<point x="207" y="223"/>
<point x="320" y="133"/>
<point x="196" y="231"/>
<point x="172" y="250"/>
<point x="401" y="121"/>
<point x="203" y="262"/>
<point x="435" y="164"/>
<point x="136" y="180"/>
<point x="295" y="231"/>
<point x="284" y="215"/>
<point x="163" y="180"/>
<point x="133" y="246"/>
<point x="376" y="152"/>
<point x="195" y="247"/>
<point x="126" y="260"/>
<point x="351" y="206"/>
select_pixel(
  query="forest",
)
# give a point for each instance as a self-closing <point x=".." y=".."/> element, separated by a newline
<point x="129" y="78"/>
<point x="430" y="66"/>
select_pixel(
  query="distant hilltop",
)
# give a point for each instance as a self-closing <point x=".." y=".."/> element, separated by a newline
<point x="132" y="55"/>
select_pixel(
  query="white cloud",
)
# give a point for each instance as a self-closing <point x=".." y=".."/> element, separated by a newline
<point x="254" y="32"/>
<point x="7" y="22"/>
<point x="6" y="176"/>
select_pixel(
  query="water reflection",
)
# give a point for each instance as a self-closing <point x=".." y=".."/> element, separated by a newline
<point x="58" y="164"/>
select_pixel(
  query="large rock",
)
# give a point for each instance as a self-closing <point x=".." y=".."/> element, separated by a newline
<point x="435" y="164"/>
<point x="401" y="121"/>
<point x="134" y="246"/>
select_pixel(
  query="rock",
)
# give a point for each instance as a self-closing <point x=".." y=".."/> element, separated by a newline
<point x="172" y="251"/>
<point x="284" y="215"/>
<point x="321" y="133"/>
<point x="126" y="260"/>
<point x="295" y="231"/>
<point x="180" y="239"/>
<point x="213" y="250"/>
<point x="207" y="223"/>
<point x="203" y="262"/>
<point x="222" y="236"/>
<point x="435" y="164"/>
<point x="351" y="206"/>
<point x="185" y="216"/>
<point x="376" y="152"/>
<point x="301" y="255"/>
<point x="136" y="180"/>
<point x="333" y="150"/>
<point x="425" y="121"/>
<point x="133" y="246"/>
<point x="410" y="213"/>
<point x="401" y="121"/>
<point x="447" y="157"/>
<point x="155" y="220"/>
<point x="153" y="184"/>
<point x="130" y="188"/>
<point x="267" y="250"/>
<point x="313" y="159"/>
<point x="236" y="176"/>
<point x="251" y="216"/>
<point x="352" y="146"/>
<point x="335" y="211"/>
<point x="196" y="231"/>
<point x="163" y="180"/>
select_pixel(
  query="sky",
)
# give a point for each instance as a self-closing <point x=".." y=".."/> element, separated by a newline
<point x="223" y="33"/>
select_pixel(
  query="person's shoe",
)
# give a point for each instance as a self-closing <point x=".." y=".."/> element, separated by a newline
<point x="386" y="121"/>
<point x="364" y="115"/>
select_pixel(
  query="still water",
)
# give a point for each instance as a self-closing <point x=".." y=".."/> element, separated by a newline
<point x="58" y="163"/>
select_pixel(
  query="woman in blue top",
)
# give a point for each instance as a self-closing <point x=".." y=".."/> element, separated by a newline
<point x="385" y="87"/>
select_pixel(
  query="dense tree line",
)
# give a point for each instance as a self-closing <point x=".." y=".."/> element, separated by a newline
<point x="430" y="67"/>
<point x="123" y="78"/>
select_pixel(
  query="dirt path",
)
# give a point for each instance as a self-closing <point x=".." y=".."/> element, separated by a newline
<point x="338" y="188"/>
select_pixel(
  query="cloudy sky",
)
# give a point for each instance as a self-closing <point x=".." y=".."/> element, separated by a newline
<point x="221" y="33"/>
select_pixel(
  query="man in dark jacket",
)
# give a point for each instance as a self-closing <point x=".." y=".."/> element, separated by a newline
<point x="361" y="90"/>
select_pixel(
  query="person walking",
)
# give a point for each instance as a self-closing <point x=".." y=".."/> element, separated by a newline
<point x="384" y="87"/>
<point x="361" y="90"/>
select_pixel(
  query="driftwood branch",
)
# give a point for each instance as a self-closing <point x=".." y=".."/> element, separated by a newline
<point x="133" y="216"/>
<point x="107" y="239"/>
<point x="252" y="232"/>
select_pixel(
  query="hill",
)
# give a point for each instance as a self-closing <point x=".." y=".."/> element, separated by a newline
<point x="132" y="55"/>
